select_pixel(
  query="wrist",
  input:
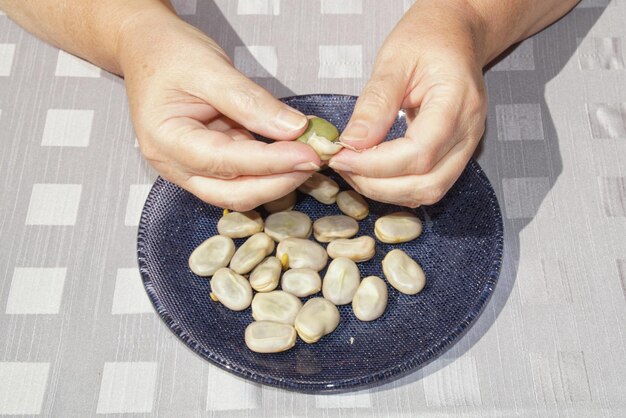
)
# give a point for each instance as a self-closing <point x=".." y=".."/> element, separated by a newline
<point x="142" y="33"/>
<point x="447" y="26"/>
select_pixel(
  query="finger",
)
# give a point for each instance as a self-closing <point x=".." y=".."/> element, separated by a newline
<point x="244" y="193"/>
<point x="377" y="107"/>
<point x="416" y="190"/>
<point x="248" y="104"/>
<point x="216" y="154"/>
<point x="240" y="134"/>
<point x="431" y="135"/>
<point x="222" y="124"/>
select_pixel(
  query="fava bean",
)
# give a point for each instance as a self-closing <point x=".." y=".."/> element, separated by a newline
<point x="341" y="281"/>
<point x="322" y="188"/>
<point x="269" y="337"/>
<point x="398" y="227"/>
<point x="211" y="255"/>
<point x="231" y="289"/>
<point x="334" y="227"/>
<point x="265" y="276"/>
<point x="403" y="273"/>
<point x="370" y="299"/>
<point x="240" y="224"/>
<point x="251" y="253"/>
<point x="317" y="318"/>
<point x="356" y="249"/>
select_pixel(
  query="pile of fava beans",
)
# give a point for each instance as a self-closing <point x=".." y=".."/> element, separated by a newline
<point x="278" y="252"/>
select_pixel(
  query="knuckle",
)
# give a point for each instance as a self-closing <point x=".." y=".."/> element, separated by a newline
<point x="246" y="99"/>
<point x="150" y="151"/>
<point x="218" y="166"/>
<point x="375" y="96"/>
<point x="420" y="160"/>
<point x="433" y="193"/>
<point x="412" y="203"/>
<point x="476" y="101"/>
<point x="425" y="161"/>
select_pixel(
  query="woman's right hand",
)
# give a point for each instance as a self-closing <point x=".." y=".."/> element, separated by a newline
<point x="193" y="113"/>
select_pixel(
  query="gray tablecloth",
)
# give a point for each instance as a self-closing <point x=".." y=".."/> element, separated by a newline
<point x="78" y="336"/>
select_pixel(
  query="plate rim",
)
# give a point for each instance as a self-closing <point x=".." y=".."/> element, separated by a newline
<point x="409" y="365"/>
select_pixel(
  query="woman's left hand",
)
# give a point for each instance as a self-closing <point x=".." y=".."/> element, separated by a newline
<point x="431" y="67"/>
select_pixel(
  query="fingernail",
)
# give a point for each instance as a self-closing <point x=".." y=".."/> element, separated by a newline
<point x="340" y="166"/>
<point x="290" y="120"/>
<point x="309" y="166"/>
<point x="356" y="131"/>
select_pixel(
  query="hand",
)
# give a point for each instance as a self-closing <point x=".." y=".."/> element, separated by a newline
<point x="192" y="112"/>
<point x="430" y="67"/>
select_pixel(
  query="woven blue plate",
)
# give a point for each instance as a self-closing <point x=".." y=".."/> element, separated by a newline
<point x="460" y="251"/>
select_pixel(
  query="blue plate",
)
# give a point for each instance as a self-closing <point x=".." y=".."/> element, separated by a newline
<point x="460" y="251"/>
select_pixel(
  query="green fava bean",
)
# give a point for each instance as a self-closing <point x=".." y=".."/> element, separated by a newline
<point x="320" y="127"/>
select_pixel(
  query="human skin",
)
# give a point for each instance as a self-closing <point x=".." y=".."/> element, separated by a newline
<point x="193" y="111"/>
<point x="431" y="66"/>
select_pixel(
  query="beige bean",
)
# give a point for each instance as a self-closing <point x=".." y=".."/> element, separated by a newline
<point x="322" y="188"/>
<point x="403" y="273"/>
<point x="211" y="255"/>
<point x="240" y="224"/>
<point x="370" y="299"/>
<point x="352" y="204"/>
<point x="341" y="281"/>
<point x="398" y="227"/>
<point x="302" y="253"/>
<point x="269" y="337"/>
<point x="265" y="276"/>
<point x="276" y="306"/>
<point x="288" y="224"/>
<point x="323" y="147"/>
<point x="334" y="227"/>
<point x="356" y="249"/>
<point x="287" y="202"/>
<point x="318" y="317"/>
<point x="231" y="289"/>
<point x="251" y="253"/>
<point x="301" y="282"/>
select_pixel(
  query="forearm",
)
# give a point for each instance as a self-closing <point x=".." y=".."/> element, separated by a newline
<point x="90" y="29"/>
<point x="503" y="23"/>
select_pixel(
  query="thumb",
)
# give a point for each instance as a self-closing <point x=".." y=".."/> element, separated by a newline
<point x="377" y="107"/>
<point x="236" y="96"/>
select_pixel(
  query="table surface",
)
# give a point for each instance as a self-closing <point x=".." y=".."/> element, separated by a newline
<point x="78" y="336"/>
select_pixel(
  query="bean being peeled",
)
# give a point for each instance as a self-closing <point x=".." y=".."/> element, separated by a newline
<point x="322" y="136"/>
